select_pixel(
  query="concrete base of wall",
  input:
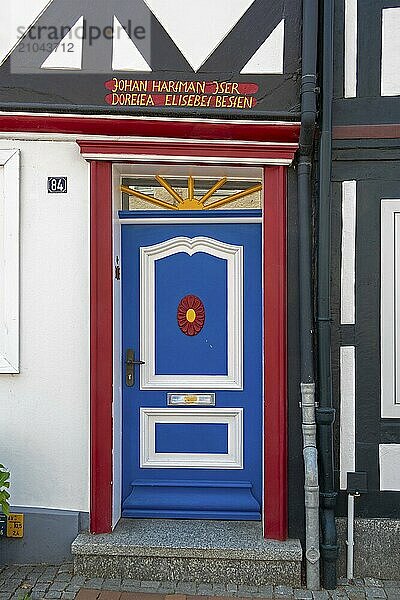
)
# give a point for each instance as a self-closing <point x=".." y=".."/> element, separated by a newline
<point x="48" y="534"/>
<point x="376" y="550"/>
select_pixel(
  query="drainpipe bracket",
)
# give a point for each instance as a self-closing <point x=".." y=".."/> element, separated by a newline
<point x="311" y="497"/>
<point x="307" y="393"/>
<point x="325" y="415"/>
<point x="330" y="552"/>
<point x="329" y="496"/>
<point x="312" y="555"/>
<point x="328" y="501"/>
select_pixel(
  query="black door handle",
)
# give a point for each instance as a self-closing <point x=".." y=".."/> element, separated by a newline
<point x="130" y="364"/>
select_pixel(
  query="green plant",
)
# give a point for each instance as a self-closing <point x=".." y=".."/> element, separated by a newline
<point x="4" y="485"/>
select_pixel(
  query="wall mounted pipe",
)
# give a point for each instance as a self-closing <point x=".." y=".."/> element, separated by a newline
<point x="307" y="386"/>
<point x="350" y="536"/>
<point x="325" y="412"/>
<point x="311" y="488"/>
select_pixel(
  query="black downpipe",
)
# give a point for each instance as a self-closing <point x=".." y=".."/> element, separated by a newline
<point x="326" y="413"/>
<point x="307" y="130"/>
<point x="305" y="199"/>
<point x="305" y="203"/>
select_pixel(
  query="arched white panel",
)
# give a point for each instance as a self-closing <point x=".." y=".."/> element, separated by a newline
<point x="234" y="258"/>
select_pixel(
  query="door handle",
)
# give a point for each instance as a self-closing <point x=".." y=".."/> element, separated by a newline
<point x="130" y="364"/>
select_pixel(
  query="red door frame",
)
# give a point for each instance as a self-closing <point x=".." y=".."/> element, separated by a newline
<point x="101" y="347"/>
<point x="275" y="372"/>
<point x="275" y="354"/>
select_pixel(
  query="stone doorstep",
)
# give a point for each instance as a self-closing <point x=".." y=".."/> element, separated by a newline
<point x="240" y="540"/>
<point x="188" y="550"/>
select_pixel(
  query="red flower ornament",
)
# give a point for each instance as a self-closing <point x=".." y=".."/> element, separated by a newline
<point x="191" y="315"/>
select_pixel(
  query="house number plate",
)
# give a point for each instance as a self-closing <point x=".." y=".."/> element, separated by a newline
<point x="174" y="399"/>
<point x="57" y="185"/>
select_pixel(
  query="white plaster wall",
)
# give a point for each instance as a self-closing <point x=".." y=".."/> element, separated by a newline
<point x="44" y="421"/>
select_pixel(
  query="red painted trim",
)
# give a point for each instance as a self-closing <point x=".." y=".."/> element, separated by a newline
<point x="372" y="132"/>
<point x="275" y="369"/>
<point x="101" y="348"/>
<point x="187" y="148"/>
<point x="275" y="355"/>
<point x="164" y="128"/>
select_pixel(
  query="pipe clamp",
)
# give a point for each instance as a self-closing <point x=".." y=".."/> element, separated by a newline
<point x="312" y="554"/>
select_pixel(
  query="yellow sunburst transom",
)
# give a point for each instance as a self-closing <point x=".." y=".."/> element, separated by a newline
<point x="191" y="203"/>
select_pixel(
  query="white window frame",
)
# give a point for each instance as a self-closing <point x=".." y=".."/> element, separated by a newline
<point x="9" y="271"/>
<point x="390" y="308"/>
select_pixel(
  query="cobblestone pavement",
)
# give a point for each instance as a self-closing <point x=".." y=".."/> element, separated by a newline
<point x="54" y="583"/>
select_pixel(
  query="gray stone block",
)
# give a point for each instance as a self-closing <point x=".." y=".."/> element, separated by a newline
<point x="391" y="584"/>
<point x="77" y="580"/>
<point x="283" y="590"/>
<point x="372" y="582"/>
<point x="73" y="588"/>
<point x="111" y="584"/>
<point x="58" y="586"/>
<point x="150" y="584"/>
<point x="376" y="550"/>
<point x="188" y="587"/>
<point x="66" y="568"/>
<point x="247" y="589"/>
<point x="10" y="585"/>
<point x="63" y="577"/>
<point x="302" y="594"/>
<point x="393" y="595"/>
<point x="167" y="587"/>
<point x="95" y="583"/>
<point x="204" y="589"/>
<point x="218" y="589"/>
<point x="266" y="590"/>
<point x="40" y="587"/>
<point x="375" y="592"/>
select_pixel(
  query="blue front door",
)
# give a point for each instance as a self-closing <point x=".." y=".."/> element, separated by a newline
<point x="192" y="413"/>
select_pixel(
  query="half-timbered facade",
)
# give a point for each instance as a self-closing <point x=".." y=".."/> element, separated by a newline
<point x="156" y="177"/>
<point x="365" y="191"/>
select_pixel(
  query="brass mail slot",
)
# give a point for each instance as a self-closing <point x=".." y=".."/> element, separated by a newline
<point x="174" y="399"/>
